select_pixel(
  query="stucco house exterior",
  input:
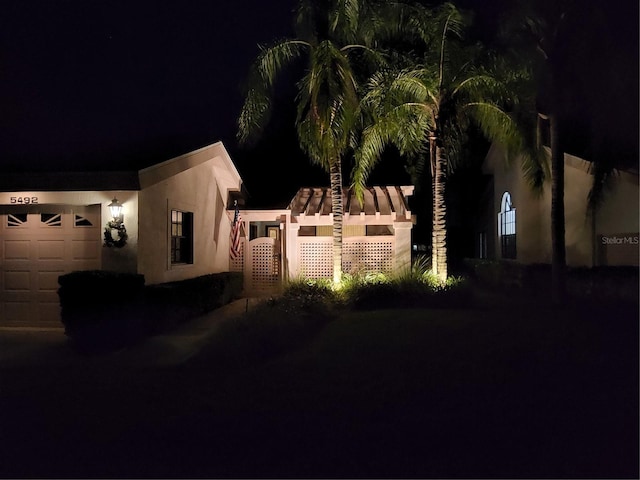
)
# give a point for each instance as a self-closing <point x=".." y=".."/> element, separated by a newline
<point x="174" y="214"/>
<point x="178" y="218"/>
<point x="515" y="223"/>
<point x="297" y="241"/>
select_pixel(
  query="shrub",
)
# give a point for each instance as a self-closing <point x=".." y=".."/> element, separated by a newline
<point x="415" y="287"/>
<point x="602" y="283"/>
<point x="499" y="274"/>
<point x="171" y="303"/>
<point x="608" y="284"/>
<point x="427" y="292"/>
<point x="102" y="310"/>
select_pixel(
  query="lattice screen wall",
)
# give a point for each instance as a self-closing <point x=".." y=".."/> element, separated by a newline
<point x="316" y="257"/>
<point x="364" y="256"/>
<point x="359" y="255"/>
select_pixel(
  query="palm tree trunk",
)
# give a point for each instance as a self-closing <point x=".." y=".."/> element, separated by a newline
<point x="558" y="251"/>
<point x="439" y="233"/>
<point x="335" y="175"/>
<point x="432" y="162"/>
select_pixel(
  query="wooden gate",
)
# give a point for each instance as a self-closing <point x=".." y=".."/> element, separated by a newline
<point x="262" y="274"/>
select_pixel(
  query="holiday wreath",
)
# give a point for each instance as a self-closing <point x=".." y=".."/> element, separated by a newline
<point x="122" y="235"/>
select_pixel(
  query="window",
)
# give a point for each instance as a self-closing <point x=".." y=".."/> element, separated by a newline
<point x="376" y="230"/>
<point x="80" y="221"/>
<point x="273" y="232"/>
<point x="507" y="227"/>
<point x="307" y="231"/>
<point x="16" y="219"/>
<point x="51" y="219"/>
<point x="181" y="237"/>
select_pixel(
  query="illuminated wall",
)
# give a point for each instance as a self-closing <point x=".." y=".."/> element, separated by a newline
<point x="611" y="240"/>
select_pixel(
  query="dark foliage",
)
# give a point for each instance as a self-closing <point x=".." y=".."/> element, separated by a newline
<point x="174" y="302"/>
<point x="104" y="311"/>
<point x="409" y="294"/>
<point x="598" y="284"/>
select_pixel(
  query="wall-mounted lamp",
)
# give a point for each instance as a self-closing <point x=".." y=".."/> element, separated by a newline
<point x="115" y="207"/>
<point x="116" y="210"/>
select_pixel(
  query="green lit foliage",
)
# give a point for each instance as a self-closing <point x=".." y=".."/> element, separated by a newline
<point x="416" y="286"/>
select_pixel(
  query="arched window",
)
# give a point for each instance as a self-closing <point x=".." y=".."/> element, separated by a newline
<point x="507" y="227"/>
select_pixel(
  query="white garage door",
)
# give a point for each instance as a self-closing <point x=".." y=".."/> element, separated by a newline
<point x="38" y="244"/>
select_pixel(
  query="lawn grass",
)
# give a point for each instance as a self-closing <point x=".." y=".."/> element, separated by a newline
<point x="507" y="389"/>
<point x="530" y="391"/>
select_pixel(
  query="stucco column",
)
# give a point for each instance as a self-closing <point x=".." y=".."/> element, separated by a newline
<point x="402" y="254"/>
<point x="291" y="250"/>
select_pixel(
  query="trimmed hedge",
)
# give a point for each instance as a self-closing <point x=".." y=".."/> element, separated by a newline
<point x="96" y="296"/>
<point x="175" y="302"/>
<point x="104" y="310"/>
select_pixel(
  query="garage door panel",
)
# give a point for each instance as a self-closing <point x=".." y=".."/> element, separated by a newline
<point x="48" y="281"/>
<point x="49" y="312"/>
<point x="50" y="249"/>
<point x="17" y="281"/>
<point x="17" y="311"/>
<point x="85" y="249"/>
<point x="16" y="249"/>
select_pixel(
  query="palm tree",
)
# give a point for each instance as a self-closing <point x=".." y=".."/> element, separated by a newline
<point x="535" y="28"/>
<point x="334" y="39"/>
<point x="539" y="31"/>
<point x="428" y="108"/>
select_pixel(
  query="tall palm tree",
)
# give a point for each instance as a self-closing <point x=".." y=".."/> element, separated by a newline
<point x="334" y="39"/>
<point x="428" y="109"/>
<point x="535" y="28"/>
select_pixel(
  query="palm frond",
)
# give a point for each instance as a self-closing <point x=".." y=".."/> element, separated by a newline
<point x="371" y="147"/>
<point x="255" y="112"/>
<point x="254" y="115"/>
<point x="344" y="16"/>
<point x="603" y="171"/>
<point x="272" y="60"/>
<point x="535" y="168"/>
<point x="496" y="124"/>
<point x="403" y="22"/>
<point x="327" y="104"/>
<point x="484" y="85"/>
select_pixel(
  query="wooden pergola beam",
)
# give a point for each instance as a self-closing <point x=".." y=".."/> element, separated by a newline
<point x="386" y="193"/>
<point x="306" y="205"/>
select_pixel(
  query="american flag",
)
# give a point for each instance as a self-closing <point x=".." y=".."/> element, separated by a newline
<point x="234" y="240"/>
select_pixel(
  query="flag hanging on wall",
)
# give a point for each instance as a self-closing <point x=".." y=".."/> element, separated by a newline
<point x="234" y="240"/>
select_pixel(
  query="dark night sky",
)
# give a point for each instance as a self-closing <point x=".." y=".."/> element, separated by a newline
<point x="88" y="85"/>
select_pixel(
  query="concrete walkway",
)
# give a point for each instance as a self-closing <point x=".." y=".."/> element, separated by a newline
<point x="49" y="347"/>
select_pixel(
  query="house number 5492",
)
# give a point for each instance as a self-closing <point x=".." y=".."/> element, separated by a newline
<point x="23" y="200"/>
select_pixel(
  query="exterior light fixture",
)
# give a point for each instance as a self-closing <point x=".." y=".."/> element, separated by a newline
<point x="115" y="207"/>
<point x="116" y="210"/>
